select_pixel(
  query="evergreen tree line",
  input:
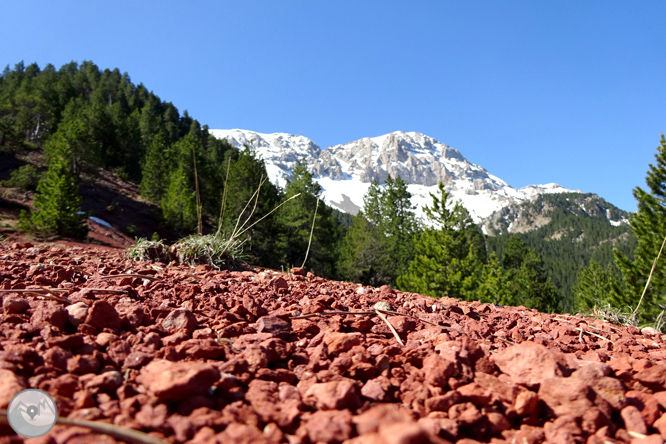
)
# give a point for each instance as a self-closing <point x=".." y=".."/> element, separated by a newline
<point x="570" y="242"/>
<point x="387" y="245"/>
<point x="83" y="119"/>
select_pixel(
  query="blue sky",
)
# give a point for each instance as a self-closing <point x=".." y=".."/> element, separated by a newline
<point x="536" y="92"/>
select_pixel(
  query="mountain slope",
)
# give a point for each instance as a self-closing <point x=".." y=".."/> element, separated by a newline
<point x="567" y="230"/>
<point x="346" y="171"/>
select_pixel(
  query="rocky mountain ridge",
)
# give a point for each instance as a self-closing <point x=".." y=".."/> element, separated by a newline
<point x="345" y="171"/>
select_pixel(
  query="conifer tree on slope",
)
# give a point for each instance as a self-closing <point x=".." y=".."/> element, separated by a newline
<point x="649" y="226"/>
<point x="57" y="200"/>
<point x="179" y="206"/>
<point x="449" y="256"/>
<point x="597" y="286"/>
<point x="527" y="282"/>
<point x="295" y="222"/>
<point x="377" y="247"/>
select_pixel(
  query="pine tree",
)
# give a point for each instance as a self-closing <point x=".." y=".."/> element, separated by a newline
<point x="179" y="208"/>
<point x="295" y="219"/>
<point x="527" y="282"/>
<point x="363" y="255"/>
<point x="597" y="286"/>
<point x="58" y="202"/>
<point x="649" y="226"/>
<point x="493" y="284"/>
<point x="154" y="176"/>
<point x="377" y="247"/>
<point x="449" y="256"/>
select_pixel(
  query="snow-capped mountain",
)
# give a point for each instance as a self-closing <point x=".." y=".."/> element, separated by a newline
<point x="346" y="171"/>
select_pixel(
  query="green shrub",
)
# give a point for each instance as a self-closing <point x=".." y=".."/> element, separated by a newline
<point x="26" y="177"/>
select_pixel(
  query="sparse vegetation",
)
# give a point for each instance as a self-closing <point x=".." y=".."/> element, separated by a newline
<point x="26" y="177"/>
<point x="149" y="250"/>
<point x="210" y="249"/>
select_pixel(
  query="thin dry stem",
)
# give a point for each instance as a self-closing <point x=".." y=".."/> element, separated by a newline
<point x="311" y="232"/>
<point x="593" y="334"/>
<point x="144" y="276"/>
<point x="254" y="207"/>
<point x="122" y="433"/>
<point x="233" y="233"/>
<point x="271" y="212"/>
<point x="224" y="200"/>
<point x="198" y="194"/>
<point x="395" y="333"/>
<point x="654" y="265"/>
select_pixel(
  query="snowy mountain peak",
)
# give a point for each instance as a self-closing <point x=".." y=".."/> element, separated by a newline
<point x="280" y="151"/>
<point x="346" y="171"/>
<point x="416" y="158"/>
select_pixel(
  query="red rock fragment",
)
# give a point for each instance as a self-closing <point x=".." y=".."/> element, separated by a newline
<point x="15" y="305"/>
<point x="274" y="325"/>
<point x="475" y="394"/>
<point x="526" y="403"/>
<point x="403" y="324"/>
<point x="82" y="364"/>
<point x="438" y="370"/>
<point x="653" y="377"/>
<point x="564" y="429"/>
<point x="152" y="417"/>
<point x="407" y="433"/>
<point x="660" y="425"/>
<point x="77" y="313"/>
<point x="180" y="319"/>
<point x="646" y="403"/>
<point x="566" y="396"/>
<point x="334" y="395"/>
<point x="376" y="389"/>
<point x="57" y="357"/>
<point x="633" y="421"/>
<point x="65" y="385"/>
<point x="279" y="283"/>
<point x="370" y="420"/>
<point x="10" y="385"/>
<point x="650" y="439"/>
<point x="298" y="271"/>
<point x="329" y="426"/>
<point x="241" y="434"/>
<point x="341" y="342"/>
<point x="385" y="289"/>
<point x="529" y="363"/>
<point x="107" y="382"/>
<point x="177" y="380"/>
<point x="103" y="315"/>
<point x="497" y="422"/>
<point x="442" y="403"/>
<point x="466" y="414"/>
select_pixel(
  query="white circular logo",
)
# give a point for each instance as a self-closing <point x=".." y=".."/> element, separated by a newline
<point x="32" y="413"/>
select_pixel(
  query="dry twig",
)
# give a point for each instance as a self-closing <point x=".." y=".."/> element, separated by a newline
<point x="143" y="276"/>
<point x="122" y="433"/>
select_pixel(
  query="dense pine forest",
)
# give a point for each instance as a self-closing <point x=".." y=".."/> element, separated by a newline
<point x="80" y="120"/>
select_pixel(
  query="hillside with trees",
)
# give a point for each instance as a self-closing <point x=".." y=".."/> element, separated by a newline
<point x="578" y="233"/>
<point x="63" y="131"/>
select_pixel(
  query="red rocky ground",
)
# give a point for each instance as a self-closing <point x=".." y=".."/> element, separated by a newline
<point x="207" y="356"/>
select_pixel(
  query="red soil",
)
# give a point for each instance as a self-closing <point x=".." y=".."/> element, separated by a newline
<point x="204" y="356"/>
